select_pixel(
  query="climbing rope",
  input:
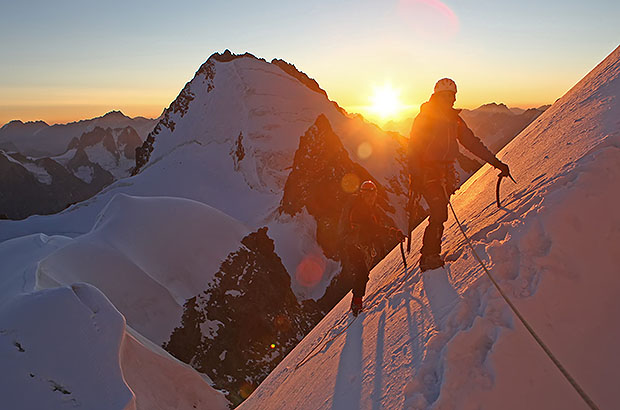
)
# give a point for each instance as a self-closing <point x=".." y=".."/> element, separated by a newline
<point x="529" y="328"/>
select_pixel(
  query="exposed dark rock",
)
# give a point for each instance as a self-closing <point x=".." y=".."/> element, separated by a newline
<point x="59" y="185"/>
<point x="227" y="56"/>
<point x="22" y="194"/>
<point x="179" y="106"/>
<point x="238" y="329"/>
<point x="128" y="141"/>
<point x="237" y="152"/>
<point x="318" y="182"/>
<point x="303" y="78"/>
<point x="468" y="165"/>
<point x="75" y="142"/>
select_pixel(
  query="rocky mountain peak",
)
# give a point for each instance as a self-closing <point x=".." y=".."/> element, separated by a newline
<point x="300" y="75"/>
<point x="228" y="56"/>
<point x="115" y="114"/>
<point x="323" y="180"/>
<point x="18" y="124"/>
<point x="495" y="107"/>
<point x="253" y="287"/>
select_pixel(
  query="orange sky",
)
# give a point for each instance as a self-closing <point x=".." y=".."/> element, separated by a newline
<point x="60" y="64"/>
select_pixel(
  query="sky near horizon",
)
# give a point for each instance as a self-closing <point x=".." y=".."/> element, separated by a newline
<point x="68" y="60"/>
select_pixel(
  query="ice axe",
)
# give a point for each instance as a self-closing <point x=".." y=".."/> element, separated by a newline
<point x="412" y="205"/>
<point x="499" y="182"/>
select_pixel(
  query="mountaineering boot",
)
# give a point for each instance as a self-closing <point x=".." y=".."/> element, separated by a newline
<point x="428" y="262"/>
<point x="356" y="305"/>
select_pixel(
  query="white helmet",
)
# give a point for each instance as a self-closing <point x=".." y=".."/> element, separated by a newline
<point x="445" y="84"/>
<point x="368" y="186"/>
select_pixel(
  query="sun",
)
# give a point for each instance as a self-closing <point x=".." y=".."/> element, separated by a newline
<point x="386" y="101"/>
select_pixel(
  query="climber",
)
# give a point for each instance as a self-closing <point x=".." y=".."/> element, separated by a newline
<point x="433" y="149"/>
<point x="365" y="235"/>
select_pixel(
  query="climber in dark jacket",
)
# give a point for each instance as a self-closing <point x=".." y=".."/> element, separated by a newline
<point x="433" y="149"/>
<point x="364" y="237"/>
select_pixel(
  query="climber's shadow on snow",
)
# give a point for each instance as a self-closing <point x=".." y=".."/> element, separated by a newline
<point x="378" y="382"/>
<point x="402" y="297"/>
<point x="441" y="295"/>
<point x="348" y="388"/>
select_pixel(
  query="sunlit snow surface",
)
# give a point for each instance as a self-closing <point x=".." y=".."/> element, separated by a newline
<point x="74" y="343"/>
<point x="81" y="355"/>
<point x="554" y="249"/>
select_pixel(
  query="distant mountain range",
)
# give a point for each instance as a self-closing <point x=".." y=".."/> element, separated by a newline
<point x="497" y="125"/>
<point x="38" y="139"/>
<point x="103" y="152"/>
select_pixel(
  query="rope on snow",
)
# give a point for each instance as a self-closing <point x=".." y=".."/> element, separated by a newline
<point x="529" y="328"/>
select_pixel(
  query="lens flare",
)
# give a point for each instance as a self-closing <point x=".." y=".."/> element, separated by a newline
<point x="310" y="270"/>
<point x="364" y="150"/>
<point x="429" y="18"/>
<point x="349" y="183"/>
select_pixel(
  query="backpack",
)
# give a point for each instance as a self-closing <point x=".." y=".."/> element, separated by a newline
<point x="344" y="224"/>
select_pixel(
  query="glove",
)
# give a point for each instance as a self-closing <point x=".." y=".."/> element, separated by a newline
<point x="505" y="171"/>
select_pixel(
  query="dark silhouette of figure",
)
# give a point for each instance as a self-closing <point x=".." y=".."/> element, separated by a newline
<point x="433" y="149"/>
<point x="364" y="236"/>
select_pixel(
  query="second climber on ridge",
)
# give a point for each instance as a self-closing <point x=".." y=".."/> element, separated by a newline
<point x="433" y="149"/>
<point x="364" y="236"/>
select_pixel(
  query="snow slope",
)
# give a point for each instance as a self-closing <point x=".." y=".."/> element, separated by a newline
<point x="554" y="249"/>
<point x="20" y="257"/>
<point x="65" y="343"/>
<point x="146" y="268"/>
<point x="68" y="347"/>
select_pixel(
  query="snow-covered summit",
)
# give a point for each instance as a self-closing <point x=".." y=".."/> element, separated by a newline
<point x="232" y="133"/>
<point x="553" y="248"/>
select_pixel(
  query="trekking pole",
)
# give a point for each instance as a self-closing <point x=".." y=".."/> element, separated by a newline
<point x="409" y="211"/>
<point x="412" y="214"/>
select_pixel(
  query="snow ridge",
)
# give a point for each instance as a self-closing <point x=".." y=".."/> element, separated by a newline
<point x="547" y="249"/>
<point x="69" y="347"/>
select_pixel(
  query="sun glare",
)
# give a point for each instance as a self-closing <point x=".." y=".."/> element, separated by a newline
<point x="386" y="101"/>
